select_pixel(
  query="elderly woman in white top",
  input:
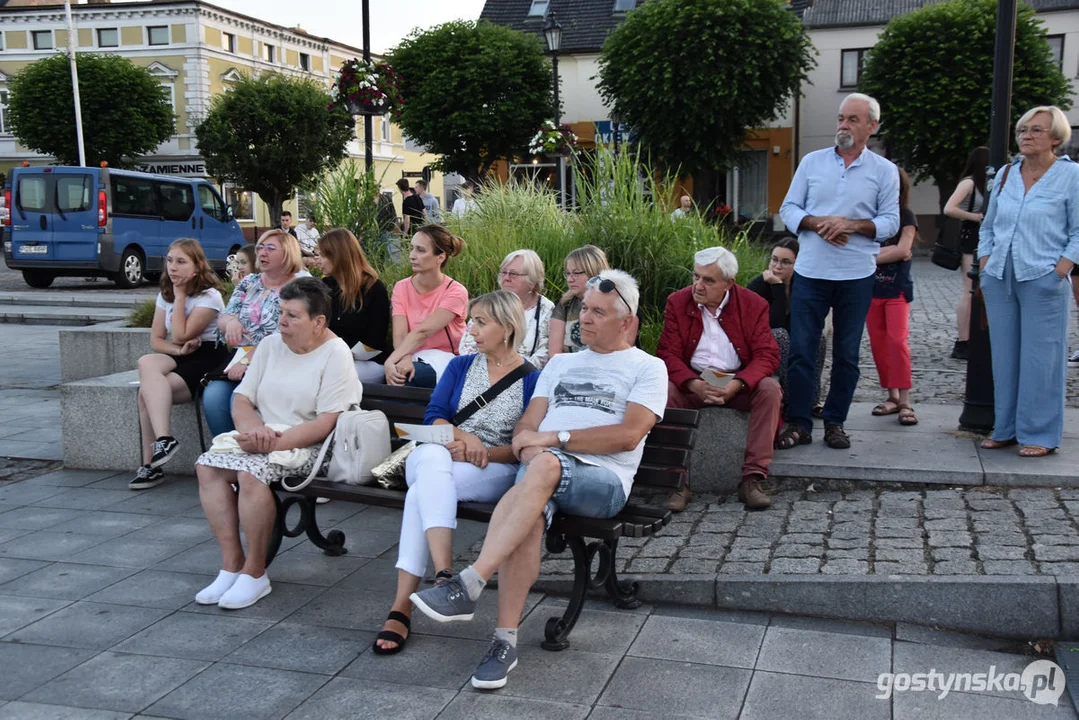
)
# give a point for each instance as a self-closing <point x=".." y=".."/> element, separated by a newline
<point x="521" y="273"/>
<point x="301" y="379"/>
<point x="1029" y="245"/>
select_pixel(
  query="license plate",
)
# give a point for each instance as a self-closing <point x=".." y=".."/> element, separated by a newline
<point x="34" y="249"/>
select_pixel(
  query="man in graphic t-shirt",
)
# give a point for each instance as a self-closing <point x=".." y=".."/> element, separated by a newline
<point x="579" y="442"/>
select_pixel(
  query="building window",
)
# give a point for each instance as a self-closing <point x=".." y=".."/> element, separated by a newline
<point x="228" y="42"/>
<point x="1" y="41"/>
<point x="242" y="202"/>
<point x="384" y="128"/>
<point x="1056" y="44"/>
<point x="3" y="113"/>
<point x="411" y="145"/>
<point x="624" y="5"/>
<point x="303" y="211"/>
<point x="108" y="37"/>
<point x="539" y="8"/>
<point x="850" y="71"/>
<point x="158" y="35"/>
<point x="305" y="61"/>
<point x="268" y="52"/>
<point x="42" y="39"/>
<point x="170" y="94"/>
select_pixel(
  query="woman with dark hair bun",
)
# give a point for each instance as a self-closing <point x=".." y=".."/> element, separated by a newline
<point x="967" y="204"/>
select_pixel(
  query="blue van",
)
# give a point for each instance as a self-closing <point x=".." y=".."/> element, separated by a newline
<point x="81" y="221"/>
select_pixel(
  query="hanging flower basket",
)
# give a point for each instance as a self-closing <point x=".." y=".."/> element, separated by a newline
<point x="553" y="139"/>
<point x="364" y="87"/>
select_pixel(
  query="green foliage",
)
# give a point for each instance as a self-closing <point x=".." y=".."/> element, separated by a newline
<point x="932" y="72"/>
<point x="473" y="92"/>
<point x="271" y="134"/>
<point x="125" y="111"/>
<point x="691" y="76"/>
<point x="346" y="197"/>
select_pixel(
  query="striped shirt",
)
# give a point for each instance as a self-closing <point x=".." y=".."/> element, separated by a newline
<point x="1039" y="226"/>
<point x="824" y="185"/>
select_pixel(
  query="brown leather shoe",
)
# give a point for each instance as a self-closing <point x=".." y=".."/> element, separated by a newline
<point x="751" y="495"/>
<point x="678" y="499"/>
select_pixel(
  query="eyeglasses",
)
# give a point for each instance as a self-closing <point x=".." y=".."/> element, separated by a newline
<point x="510" y="274"/>
<point x="268" y="247"/>
<point x="784" y="262"/>
<point x="576" y="273"/>
<point x="605" y="285"/>
<point x="1031" y="131"/>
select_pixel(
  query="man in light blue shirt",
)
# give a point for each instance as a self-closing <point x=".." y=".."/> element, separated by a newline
<point x="843" y="203"/>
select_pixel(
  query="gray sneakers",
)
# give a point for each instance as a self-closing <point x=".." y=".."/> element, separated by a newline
<point x="446" y="602"/>
<point x="491" y="673"/>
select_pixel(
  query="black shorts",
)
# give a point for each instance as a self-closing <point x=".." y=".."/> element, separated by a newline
<point x="193" y="366"/>
<point x="1075" y="269"/>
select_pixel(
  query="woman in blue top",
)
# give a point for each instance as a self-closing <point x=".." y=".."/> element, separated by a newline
<point x="478" y="466"/>
<point x="1029" y="244"/>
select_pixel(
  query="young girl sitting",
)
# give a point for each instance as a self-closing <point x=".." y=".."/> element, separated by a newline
<point x="245" y="263"/>
<point x="183" y="339"/>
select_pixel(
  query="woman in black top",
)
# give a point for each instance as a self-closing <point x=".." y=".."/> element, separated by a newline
<point x="361" y="305"/>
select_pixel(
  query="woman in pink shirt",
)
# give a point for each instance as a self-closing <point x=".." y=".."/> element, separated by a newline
<point x="429" y="311"/>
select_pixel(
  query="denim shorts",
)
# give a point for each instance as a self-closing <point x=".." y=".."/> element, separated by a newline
<point x="585" y="490"/>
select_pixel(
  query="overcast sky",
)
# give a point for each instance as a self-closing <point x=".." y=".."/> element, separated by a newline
<point x="391" y="20"/>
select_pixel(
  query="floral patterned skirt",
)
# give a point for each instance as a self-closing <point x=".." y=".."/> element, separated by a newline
<point x="259" y="465"/>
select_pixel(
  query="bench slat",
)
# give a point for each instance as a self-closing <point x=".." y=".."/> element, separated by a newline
<point x="395" y="411"/>
<point x="396" y="393"/>
<point x="672" y="436"/>
<point x="681" y="416"/>
<point x="665" y="457"/>
<point x="648" y="476"/>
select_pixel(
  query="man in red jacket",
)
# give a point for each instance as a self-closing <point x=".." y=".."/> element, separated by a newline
<point x="715" y="325"/>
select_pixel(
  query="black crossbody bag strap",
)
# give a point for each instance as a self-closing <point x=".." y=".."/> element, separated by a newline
<point x="535" y="340"/>
<point x="492" y="392"/>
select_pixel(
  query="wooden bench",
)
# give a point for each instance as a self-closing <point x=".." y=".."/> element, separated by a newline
<point x="665" y="465"/>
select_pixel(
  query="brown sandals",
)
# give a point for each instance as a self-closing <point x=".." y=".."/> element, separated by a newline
<point x="907" y="416"/>
<point x="991" y="444"/>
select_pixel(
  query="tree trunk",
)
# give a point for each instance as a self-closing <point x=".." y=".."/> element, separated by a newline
<point x="274" y="203"/>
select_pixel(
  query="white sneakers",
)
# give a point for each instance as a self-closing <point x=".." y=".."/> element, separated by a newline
<point x="1073" y="361"/>
<point x="234" y="591"/>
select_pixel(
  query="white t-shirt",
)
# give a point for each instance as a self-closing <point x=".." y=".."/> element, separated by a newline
<point x="290" y="389"/>
<point x="587" y="389"/>
<point x="462" y="207"/>
<point x="208" y="298"/>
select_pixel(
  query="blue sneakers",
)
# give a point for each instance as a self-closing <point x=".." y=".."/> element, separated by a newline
<point x="446" y="602"/>
<point x="491" y="673"/>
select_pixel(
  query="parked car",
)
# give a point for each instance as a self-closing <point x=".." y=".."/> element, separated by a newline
<point x="84" y="221"/>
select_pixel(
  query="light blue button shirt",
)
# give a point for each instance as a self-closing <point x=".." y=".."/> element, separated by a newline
<point x="1039" y="226"/>
<point x="823" y="185"/>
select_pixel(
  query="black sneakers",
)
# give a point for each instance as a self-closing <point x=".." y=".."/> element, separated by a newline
<point x="165" y="448"/>
<point x="147" y="477"/>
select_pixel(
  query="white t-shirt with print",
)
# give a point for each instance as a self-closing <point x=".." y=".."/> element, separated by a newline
<point x="208" y="298"/>
<point x="588" y="389"/>
<point x="289" y="389"/>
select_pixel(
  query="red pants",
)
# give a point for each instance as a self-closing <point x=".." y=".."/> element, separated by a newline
<point x="762" y="403"/>
<point x="888" y="325"/>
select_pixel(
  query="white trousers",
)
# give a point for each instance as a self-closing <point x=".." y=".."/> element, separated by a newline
<point x="369" y="371"/>
<point x="435" y="485"/>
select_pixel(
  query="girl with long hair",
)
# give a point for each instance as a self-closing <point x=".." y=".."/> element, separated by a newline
<point x="967" y="204"/>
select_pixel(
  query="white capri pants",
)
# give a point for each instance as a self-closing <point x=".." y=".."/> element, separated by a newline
<point x="369" y="371"/>
<point x="435" y="485"/>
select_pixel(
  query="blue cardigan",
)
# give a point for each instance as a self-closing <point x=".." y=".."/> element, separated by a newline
<point x="447" y="394"/>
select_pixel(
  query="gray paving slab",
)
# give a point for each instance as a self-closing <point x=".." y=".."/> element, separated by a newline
<point x="29" y="666"/>
<point x="10" y="447"/>
<point x="83" y="498"/>
<point x="65" y="581"/>
<point x="202" y="559"/>
<point x="115" y="681"/>
<point x="911" y="633"/>
<point x="359" y="543"/>
<point x="193" y="637"/>
<point x="344" y="697"/>
<point x="1006" y="467"/>
<point x="48" y="545"/>
<point x="157" y="503"/>
<point x="154" y="589"/>
<point x="38" y="711"/>
<point x="106" y="524"/>
<point x="467" y="706"/>
<point x="349" y="609"/>
<point x="824" y="654"/>
<point x="842" y="627"/>
<point x="17" y="612"/>
<point x="570" y="676"/>
<point x="662" y="686"/>
<point x="427" y="661"/>
<point x="699" y="641"/>
<point x="88" y="625"/>
<point x="313" y="569"/>
<point x="613" y="713"/>
<point x="70" y="478"/>
<point x="254" y="693"/>
<point x="19" y="494"/>
<point x="283" y="601"/>
<point x="11" y="568"/>
<point x="129" y="552"/>
<point x="7" y="534"/>
<point x="599" y="629"/>
<point x="773" y="695"/>
<point x="970" y="706"/>
<point x="914" y="658"/>
<point x="307" y="648"/>
<point x="178" y="531"/>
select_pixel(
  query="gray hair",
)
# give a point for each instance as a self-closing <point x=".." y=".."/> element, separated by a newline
<point x="721" y="257"/>
<point x="530" y="263"/>
<point x="628" y="295"/>
<point x="314" y="293"/>
<point x="874" y="106"/>
<point x="506" y="311"/>
<point x="1059" y="129"/>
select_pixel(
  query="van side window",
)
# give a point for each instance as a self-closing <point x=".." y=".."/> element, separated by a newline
<point x="133" y="196"/>
<point x="32" y="193"/>
<point x="211" y="203"/>
<point x="73" y="193"/>
<point x="177" y="201"/>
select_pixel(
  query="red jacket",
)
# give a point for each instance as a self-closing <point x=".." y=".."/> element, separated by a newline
<point x="744" y="319"/>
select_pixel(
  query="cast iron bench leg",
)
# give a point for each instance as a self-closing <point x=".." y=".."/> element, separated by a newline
<point x="333" y="543"/>
<point x="280" y="526"/>
<point x="622" y="592"/>
<point x="556" y="633"/>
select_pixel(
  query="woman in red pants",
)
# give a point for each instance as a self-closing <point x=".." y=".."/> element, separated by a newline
<point x="889" y="312"/>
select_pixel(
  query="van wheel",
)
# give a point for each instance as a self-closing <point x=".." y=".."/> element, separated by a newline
<point x="130" y="274"/>
<point x="38" y="278"/>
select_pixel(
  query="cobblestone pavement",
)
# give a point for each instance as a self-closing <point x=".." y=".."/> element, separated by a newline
<point x="872" y="531"/>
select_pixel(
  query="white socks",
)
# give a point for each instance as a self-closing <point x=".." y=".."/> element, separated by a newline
<point x="245" y="592"/>
<point x="508" y="635"/>
<point x="210" y="594"/>
<point x="473" y="583"/>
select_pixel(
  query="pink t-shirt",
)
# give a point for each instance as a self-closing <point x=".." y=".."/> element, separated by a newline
<point x="416" y="307"/>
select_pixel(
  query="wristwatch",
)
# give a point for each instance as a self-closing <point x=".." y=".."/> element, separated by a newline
<point x="563" y="438"/>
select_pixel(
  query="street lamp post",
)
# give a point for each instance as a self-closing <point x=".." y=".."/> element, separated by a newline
<point x="978" y="414"/>
<point x="71" y="43"/>
<point x="552" y="33"/>
<point x="368" y="120"/>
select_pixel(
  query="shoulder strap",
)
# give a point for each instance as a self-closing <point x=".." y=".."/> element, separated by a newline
<point x="973" y="192"/>
<point x="326" y="445"/>
<point x="535" y="338"/>
<point x="492" y="392"/>
<point x="1004" y="178"/>
<point x="449" y="338"/>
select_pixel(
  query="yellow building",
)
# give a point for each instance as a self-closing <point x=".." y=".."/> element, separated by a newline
<point x="196" y="50"/>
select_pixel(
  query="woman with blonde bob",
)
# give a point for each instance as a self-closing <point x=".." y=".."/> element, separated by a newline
<point x="580" y="265"/>
<point x="522" y="274"/>
<point x="1029" y="245"/>
<point x="477" y="466"/>
<point x="361" y="305"/>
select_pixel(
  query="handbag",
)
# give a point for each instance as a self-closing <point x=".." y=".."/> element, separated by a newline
<point x="359" y="440"/>
<point x="390" y="473"/>
<point x="947" y="252"/>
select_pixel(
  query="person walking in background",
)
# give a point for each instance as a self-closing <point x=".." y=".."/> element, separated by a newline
<point x="465" y="204"/>
<point x="842" y="203"/>
<point x="889" y="312"/>
<point x="967" y="204"/>
<point x="432" y="211"/>
<point x="411" y="209"/>
<point x="685" y="207"/>
<point x="1029" y="245"/>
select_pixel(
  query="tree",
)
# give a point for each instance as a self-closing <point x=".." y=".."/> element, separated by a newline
<point x="271" y="134"/>
<point x="691" y="76"/>
<point x="473" y="92"/>
<point x="125" y="111"/>
<point x="932" y="72"/>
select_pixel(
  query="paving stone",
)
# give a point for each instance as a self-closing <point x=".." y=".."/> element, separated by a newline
<point x="65" y="581"/>
<point x="949" y="553"/>
<point x="895" y="568"/>
<point x="662" y="547"/>
<point x="694" y="566"/>
<point x="900" y="522"/>
<point x="997" y="538"/>
<point x="253" y="693"/>
<point x="804" y="538"/>
<point x="1001" y="552"/>
<point x="193" y="637"/>
<point x="703" y="552"/>
<point x="772" y="695"/>
<point x="1054" y="539"/>
<point x="1010" y="567"/>
<point x="704" y="690"/>
<point x="16" y="612"/>
<point x="741" y="568"/>
<point x="847" y="543"/>
<point x="896" y="532"/>
<point x="905" y="543"/>
<point x="1055" y="553"/>
<point x="1059" y="568"/>
<point x="637" y="565"/>
<point x="899" y="555"/>
<point x="797" y="551"/>
<point x="794" y="566"/>
<point x="844" y="566"/>
<point x="49" y="545"/>
<point x="89" y="625"/>
<point x="38" y="711"/>
<point x="947" y="525"/>
<point x="955" y="567"/>
<point x="750" y="543"/>
<point x="34" y="518"/>
<point x="699" y="641"/>
<point x="343" y="697"/>
<point x="949" y="539"/>
<point x="748" y="555"/>
<point x="855" y="554"/>
<point x="29" y="666"/>
<point x="483" y="706"/>
<point x="824" y="654"/>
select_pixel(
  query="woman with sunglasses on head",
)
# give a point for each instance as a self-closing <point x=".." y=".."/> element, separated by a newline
<point x="580" y="265"/>
<point x="521" y="273"/>
<point x="250" y="316"/>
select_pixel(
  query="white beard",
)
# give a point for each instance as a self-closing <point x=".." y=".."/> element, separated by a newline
<point x="844" y="140"/>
